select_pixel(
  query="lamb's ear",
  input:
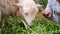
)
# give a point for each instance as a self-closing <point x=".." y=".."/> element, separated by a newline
<point x="38" y="5"/>
<point x="17" y="5"/>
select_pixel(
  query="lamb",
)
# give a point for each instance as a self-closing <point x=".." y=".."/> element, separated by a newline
<point x="28" y="9"/>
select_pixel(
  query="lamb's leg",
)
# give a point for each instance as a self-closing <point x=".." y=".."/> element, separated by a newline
<point x="3" y="23"/>
<point x="4" y="20"/>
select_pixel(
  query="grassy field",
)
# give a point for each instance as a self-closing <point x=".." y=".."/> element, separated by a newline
<point x="40" y="27"/>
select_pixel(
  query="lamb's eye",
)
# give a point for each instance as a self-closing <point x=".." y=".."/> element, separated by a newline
<point x="26" y="14"/>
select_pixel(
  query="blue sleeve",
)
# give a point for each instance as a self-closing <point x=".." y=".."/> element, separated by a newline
<point x="48" y="7"/>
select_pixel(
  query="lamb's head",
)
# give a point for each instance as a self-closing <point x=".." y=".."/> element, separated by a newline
<point x="29" y="11"/>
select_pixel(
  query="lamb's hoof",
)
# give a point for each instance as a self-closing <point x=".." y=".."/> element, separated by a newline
<point x="3" y="26"/>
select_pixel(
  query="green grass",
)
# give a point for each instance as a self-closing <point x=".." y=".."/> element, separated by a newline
<point x="40" y="27"/>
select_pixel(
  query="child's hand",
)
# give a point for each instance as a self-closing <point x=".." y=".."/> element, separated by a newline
<point x="47" y="14"/>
